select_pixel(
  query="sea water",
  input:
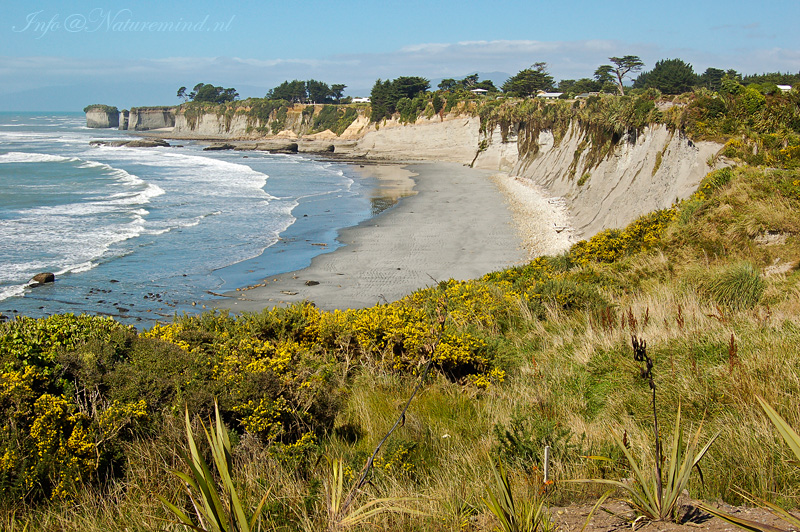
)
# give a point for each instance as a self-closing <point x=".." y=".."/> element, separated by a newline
<point x="143" y="234"/>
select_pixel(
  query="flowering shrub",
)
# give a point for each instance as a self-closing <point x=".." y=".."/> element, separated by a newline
<point x="50" y="441"/>
<point x="31" y="341"/>
<point x="612" y="244"/>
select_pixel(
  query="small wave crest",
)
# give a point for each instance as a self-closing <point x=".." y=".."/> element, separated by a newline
<point x="25" y="157"/>
<point x="11" y="291"/>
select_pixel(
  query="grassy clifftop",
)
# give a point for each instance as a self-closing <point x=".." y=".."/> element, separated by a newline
<point x="757" y="129"/>
<point x="525" y="357"/>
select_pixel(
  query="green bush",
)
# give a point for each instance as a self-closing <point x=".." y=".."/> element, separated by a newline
<point x="521" y="443"/>
<point x="100" y="107"/>
<point x="438" y="103"/>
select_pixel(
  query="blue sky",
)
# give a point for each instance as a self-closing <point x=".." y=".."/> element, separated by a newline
<point x="63" y="55"/>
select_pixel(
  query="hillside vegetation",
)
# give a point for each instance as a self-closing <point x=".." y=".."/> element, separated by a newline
<point x="519" y="359"/>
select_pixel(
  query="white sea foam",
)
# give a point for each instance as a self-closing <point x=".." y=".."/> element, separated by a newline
<point x="11" y="291"/>
<point x="77" y="268"/>
<point x="206" y="175"/>
<point x="137" y="198"/>
<point x="23" y="157"/>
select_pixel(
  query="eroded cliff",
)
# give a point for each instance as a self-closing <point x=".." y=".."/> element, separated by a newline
<point x="606" y="180"/>
<point x="639" y="174"/>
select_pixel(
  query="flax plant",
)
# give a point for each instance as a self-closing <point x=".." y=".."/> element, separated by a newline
<point x="207" y="493"/>
<point x="516" y="516"/>
<point x="341" y="515"/>
<point x="792" y="439"/>
<point x="648" y="493"/>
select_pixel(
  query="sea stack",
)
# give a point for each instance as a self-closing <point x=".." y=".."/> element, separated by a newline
<point x="101" y="116"/>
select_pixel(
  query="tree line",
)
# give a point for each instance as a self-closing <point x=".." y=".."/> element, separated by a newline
<point x="296" y="91"/>
<point x="669" y="76"/>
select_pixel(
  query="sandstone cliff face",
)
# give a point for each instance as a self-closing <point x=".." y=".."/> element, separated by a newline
<point x="124" y="115"/>
<point x="98" y="118"/>
<point x="640" y="175"/>
<point x="211" y="125"/>
<point x="452" y="139"/>
<point x="144" y="118"/>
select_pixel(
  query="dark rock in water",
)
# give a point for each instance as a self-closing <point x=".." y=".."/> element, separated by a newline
<point x="219" y="147"/>
<point x="312" y="283"/>
<point x="147" y="143"/>
<point x="136" y="143"/>
<point x="289" y="148"/>
<point x="42" y="278"/>
<point x="316" y="146"/>
<point x="45" y="277"/>
<point x="3" y="318"/>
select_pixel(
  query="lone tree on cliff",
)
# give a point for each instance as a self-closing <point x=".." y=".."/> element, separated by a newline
<point x="623" y="66"/>
<point x="337" y="90"/>
<point x="670" y="76"/>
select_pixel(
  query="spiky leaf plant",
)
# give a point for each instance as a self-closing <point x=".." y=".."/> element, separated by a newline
<point x="792" y="439"/>
<point x="515" y="516"/>
<point x="217" y="505"/>
<point x="649" y="494"/>
<point x="654" y="498"/>
<point x="341" y="517"/>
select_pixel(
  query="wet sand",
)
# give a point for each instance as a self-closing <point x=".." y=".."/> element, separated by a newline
<point x="457" y="225"/>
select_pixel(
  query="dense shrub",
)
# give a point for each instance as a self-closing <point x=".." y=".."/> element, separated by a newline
<point x="335" y="118"/>
<point x="58" y="432"/>
<point x="612" y="244"/>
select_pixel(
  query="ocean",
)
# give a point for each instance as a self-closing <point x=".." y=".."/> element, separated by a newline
<point x="144" y="234"/>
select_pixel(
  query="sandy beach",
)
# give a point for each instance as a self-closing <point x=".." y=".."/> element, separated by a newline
<point x="457" y="225"/>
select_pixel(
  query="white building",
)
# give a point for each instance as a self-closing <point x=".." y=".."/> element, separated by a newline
<point x="549" y="95"/>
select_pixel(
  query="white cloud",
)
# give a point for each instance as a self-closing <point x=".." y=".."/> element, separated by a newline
<point x="566" y="59"/>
